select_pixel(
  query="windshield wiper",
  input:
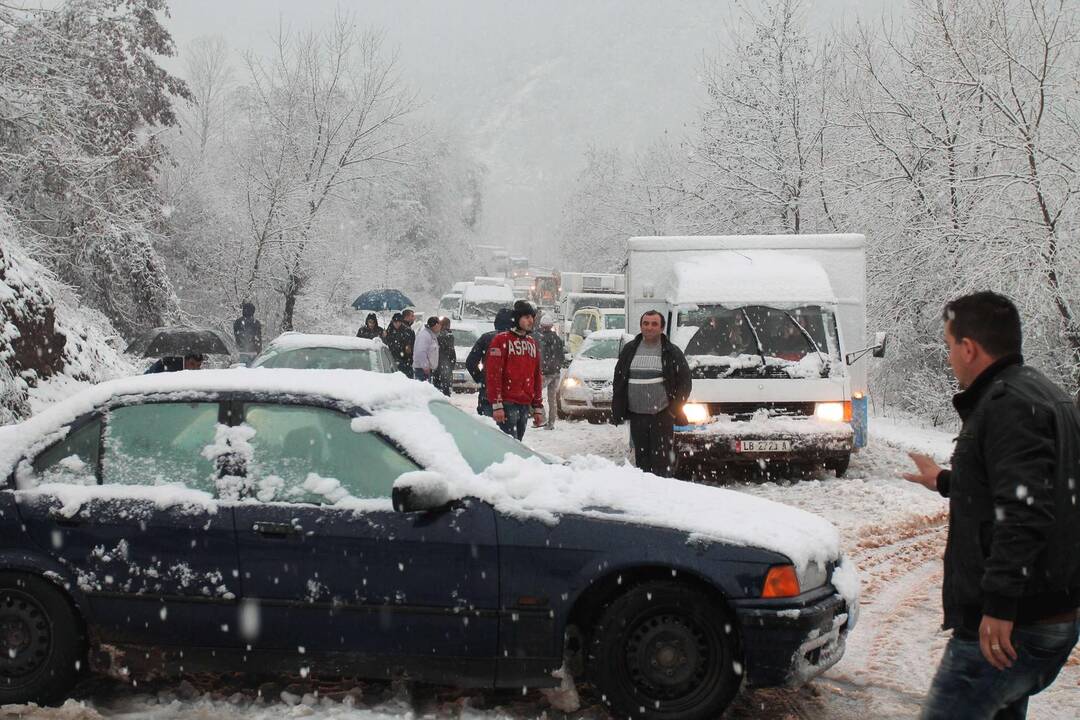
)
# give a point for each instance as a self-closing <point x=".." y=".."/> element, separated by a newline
<point x="757" y="338"/>
<point x="825" y="365"/>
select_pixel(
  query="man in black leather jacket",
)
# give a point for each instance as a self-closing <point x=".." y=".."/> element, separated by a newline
<point x="474" y="363"/>
<point x="1011" y="587"/>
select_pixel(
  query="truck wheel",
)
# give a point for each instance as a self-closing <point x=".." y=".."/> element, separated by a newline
<point x="664" y="651"/>
<point x="840" y="465"/>
<point x="42" y="648"/>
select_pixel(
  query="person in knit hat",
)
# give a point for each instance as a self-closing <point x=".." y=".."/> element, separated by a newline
<point x="514" y="383"/>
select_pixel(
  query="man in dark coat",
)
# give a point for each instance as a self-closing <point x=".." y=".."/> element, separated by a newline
<point x="444" y="376"/>
<point x="247" y="331"/>
<point x="651" y="385"/>
<point x="474" y="363"/>
<point x="552" y="355"/>
<point x="175" y="363"/>
<point x="1011" y="587"/>
<point x="371" y="329"/>
<point x="399" y="339"/>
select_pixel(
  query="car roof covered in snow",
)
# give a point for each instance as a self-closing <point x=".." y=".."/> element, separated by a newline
<point x="610" y="335"/>
<point x="360" y="388"/>
<point x="296" y="340"/>
<point x="735" y="278"/>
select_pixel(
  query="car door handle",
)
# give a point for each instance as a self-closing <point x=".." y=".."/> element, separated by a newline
<point x="65" y="520"/>
<point x="279" y="530"/>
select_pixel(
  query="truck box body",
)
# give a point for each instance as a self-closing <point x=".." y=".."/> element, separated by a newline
<point x="765" y="322"/>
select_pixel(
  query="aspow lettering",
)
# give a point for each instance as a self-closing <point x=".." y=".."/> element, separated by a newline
<point x="521" y="346"/>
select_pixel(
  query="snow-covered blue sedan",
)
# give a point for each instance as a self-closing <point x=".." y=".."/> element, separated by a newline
<point x="355" y="523"/>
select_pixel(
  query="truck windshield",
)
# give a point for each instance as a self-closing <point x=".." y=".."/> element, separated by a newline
<point x="759" y="341"/>
<point x="597" y="301"/>
<point x="484" y="309"/>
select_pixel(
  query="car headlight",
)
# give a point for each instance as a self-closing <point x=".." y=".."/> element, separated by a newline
<point x="814" y="575"/>
<point x="830" y="412"/>
<point x="571" y="382"/>
<point x="696" y="413"/>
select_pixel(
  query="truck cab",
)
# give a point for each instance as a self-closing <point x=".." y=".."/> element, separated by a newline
<point x="766" y="324"/>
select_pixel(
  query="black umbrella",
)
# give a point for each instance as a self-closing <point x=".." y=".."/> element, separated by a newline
<point x="179" y="341"/>
<point x="382" y="300"/>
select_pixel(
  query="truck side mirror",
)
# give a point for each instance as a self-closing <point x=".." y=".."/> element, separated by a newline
<point x="880" y="341"/>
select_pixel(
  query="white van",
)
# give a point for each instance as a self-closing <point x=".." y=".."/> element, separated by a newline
<point x="773" y="327"/>
<point x="481" y="302"/>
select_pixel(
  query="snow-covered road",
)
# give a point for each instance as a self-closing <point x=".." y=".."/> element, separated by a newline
<point x="894" y="531"/>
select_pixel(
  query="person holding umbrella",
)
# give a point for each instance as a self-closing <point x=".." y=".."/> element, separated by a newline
<point x="175" y="363"/>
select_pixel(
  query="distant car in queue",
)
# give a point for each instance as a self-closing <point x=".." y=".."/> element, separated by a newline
<point x="303" y="351"/>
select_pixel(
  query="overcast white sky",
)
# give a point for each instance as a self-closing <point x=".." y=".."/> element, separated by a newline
<point x="528" y="84"/>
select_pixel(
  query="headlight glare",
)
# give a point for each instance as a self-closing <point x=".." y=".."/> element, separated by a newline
<point x="696" y="413"/>
<point x="830" y="412"/>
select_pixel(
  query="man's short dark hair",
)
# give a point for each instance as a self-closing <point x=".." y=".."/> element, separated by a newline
<point x="407" y="311"/>
<point x="432" y="321"/>
<point x="987" y="318"/>
<point x="653" y="312"/>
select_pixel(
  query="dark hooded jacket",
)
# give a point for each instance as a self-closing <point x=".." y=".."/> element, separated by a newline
<point x="400" y="343"/>
<point x="677" y="381"/>
<point x="1013" y="550"/>
<point x="474" y="363"/>
<point x="369" y="333"/>
<point x="247" y="331"/>
<point x="552" y="352"/>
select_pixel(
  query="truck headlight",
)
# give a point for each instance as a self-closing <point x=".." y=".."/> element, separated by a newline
<point x="571" y="382"/>
<point x="830" y="412"/>
<point x="696" y="413"/>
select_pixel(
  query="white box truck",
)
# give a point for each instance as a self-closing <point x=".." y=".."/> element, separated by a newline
<point x="773" y="327"/>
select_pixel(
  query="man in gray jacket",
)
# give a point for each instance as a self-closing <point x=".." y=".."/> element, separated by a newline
<point x="426" y="351"/>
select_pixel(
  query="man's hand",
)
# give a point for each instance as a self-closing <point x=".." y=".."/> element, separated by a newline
<point x="499" y="416"/>
<point x="995" y="641"/>
<point x="928" y="471"/>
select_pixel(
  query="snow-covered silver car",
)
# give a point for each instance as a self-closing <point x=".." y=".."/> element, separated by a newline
<point x="586" y="389"/>
<point x="304" y="351"/>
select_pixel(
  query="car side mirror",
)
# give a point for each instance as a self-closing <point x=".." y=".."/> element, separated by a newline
<point x="880" y="341"/>
<point x="420" y="491"/>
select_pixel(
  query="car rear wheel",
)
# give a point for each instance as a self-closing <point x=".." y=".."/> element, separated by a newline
<point x="663" y="651"/>
<point x="42" y="648"/>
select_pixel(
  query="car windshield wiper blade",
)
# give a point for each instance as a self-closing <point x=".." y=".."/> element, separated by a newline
<point x="813" y="343"/>
<point x="757" y="338"/>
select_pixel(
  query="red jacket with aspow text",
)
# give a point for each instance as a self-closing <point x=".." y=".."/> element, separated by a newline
<point x="513" y="374"/>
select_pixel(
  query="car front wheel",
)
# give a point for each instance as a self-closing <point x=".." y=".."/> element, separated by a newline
<point x="42" y="648"/>
<point x="663" y="651"/>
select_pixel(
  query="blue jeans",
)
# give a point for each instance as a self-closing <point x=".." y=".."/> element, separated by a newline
<point x="967" y="686"/>
<point x="517" y="419"/>
<point x="421" y="374"/>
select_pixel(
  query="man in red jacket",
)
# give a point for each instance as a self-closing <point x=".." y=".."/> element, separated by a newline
<point x="512" y="367"/>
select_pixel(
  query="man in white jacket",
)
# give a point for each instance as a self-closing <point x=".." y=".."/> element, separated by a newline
<point x="426" y="351"/>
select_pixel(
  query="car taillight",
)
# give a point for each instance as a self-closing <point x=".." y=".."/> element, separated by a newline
<point x="780" y="582"/>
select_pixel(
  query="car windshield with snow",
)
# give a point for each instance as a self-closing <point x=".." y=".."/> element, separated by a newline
<point x="351" y="523"/>
<point x="299" y="351"/>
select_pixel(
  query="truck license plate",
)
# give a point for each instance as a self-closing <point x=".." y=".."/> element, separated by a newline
<point x="762" y="446"/>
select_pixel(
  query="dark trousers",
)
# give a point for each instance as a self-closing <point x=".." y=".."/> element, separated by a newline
<point x="967" y="687"/>
<point x="653" y="438"/>
<point x="517" y="419"/>
<point x="405" y="367"/>
<point x="483" y="407"/>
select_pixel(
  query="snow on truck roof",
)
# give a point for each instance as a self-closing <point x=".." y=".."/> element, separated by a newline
<point x="488" y="293"/>
<point x="756" y="276"/>
<point x="748" y="242"/>
<point x="525" y="488"/>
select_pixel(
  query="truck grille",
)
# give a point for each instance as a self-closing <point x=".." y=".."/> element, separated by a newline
<point x="743" y="411"/>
